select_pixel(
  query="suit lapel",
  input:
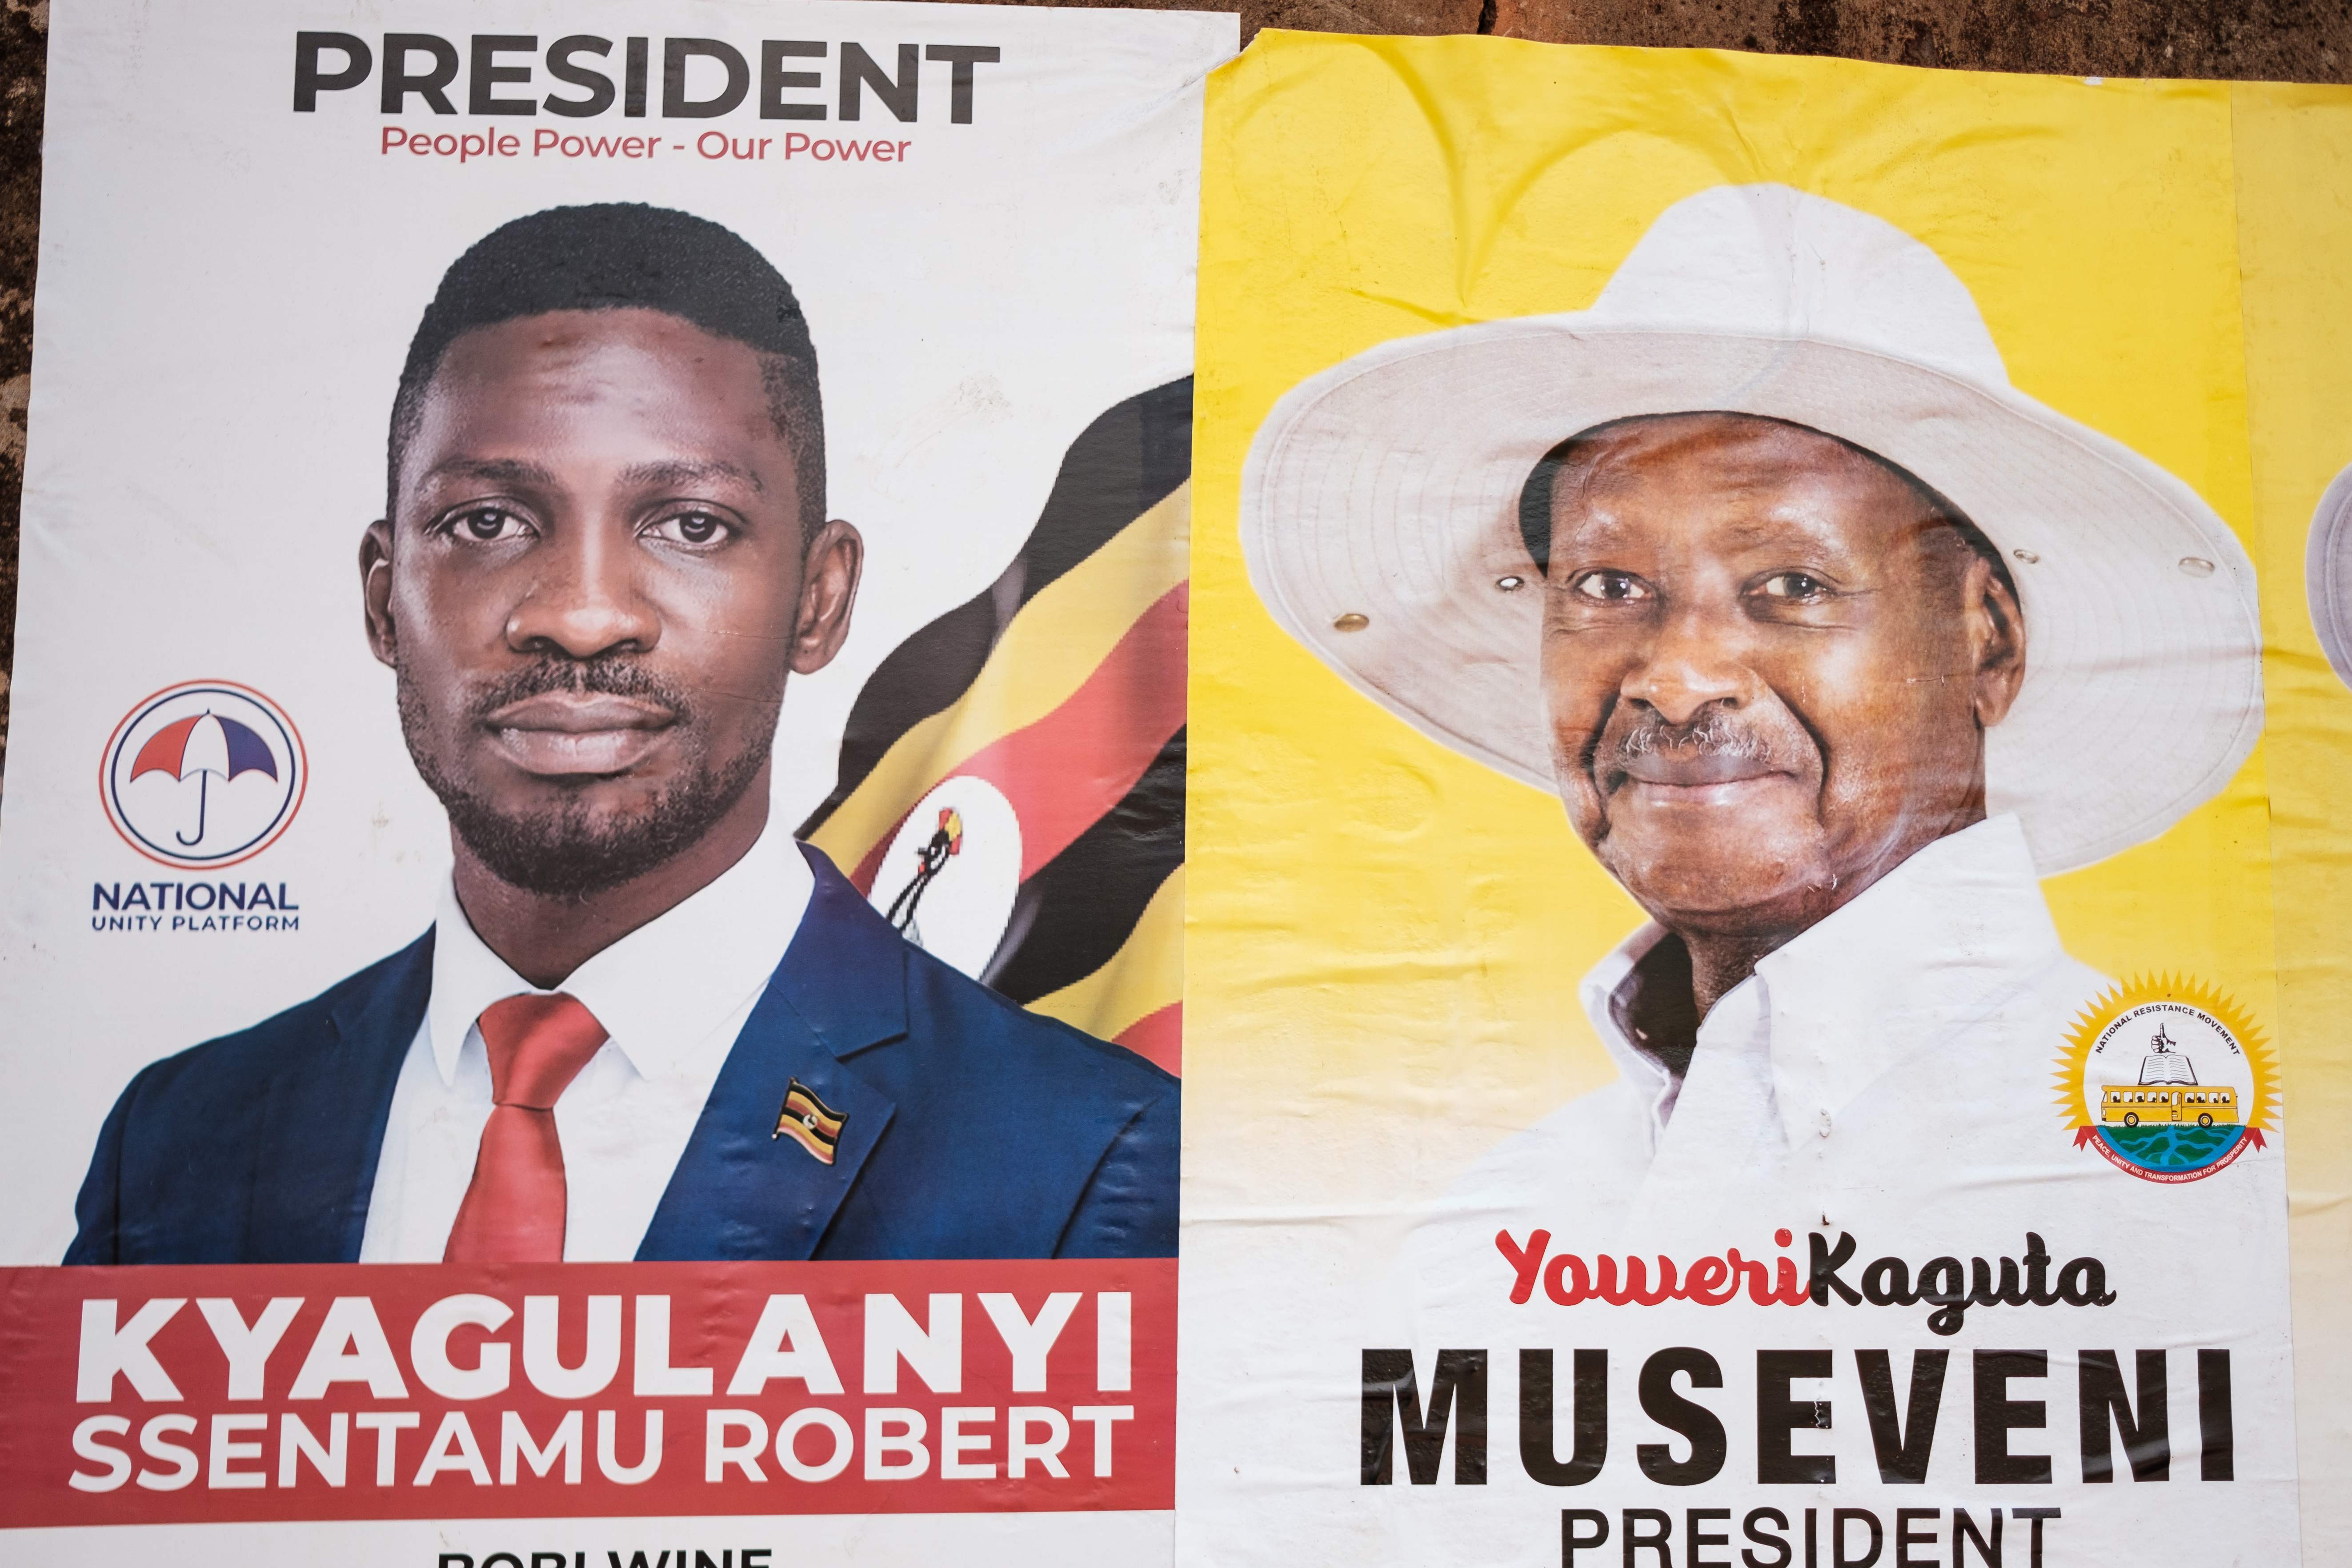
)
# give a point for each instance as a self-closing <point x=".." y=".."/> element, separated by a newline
<point x="740" y="1191"/>
<point x="323" y="1129"/>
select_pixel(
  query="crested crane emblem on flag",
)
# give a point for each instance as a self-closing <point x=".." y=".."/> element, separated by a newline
<point x="203" y="774"/>
<point x="944" y="844"/>
<point x="953" y="873"/>
<point x="1044" y="717"/>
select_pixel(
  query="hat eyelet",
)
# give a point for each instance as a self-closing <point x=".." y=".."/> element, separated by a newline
<point x="1510" y="583"/>
<point x="2197" y="566"/>
<point x="1353" y="621"/>
<point x="2028" y="556"/>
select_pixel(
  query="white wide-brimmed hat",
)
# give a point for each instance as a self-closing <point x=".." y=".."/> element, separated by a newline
<point x="2328" y="574"/>
<point x="1380" y="505"/>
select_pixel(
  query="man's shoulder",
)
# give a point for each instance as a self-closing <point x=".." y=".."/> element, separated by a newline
<point x="1568" y="1157"/>
<point x="2070" y="981"/>
<point x="949" y="1011"/>
<point x="1572" y="1175"/>
<point x="2045" y="1002"/>
<point x="955" y="1034"/>
<point x="1580" y="1158"/>
<point x="252" y="1147"/>
<point x="235" y="1060"/>
<point x="999" y="1132"/>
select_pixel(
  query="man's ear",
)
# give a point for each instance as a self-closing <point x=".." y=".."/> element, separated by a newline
<point x="1997" y="640"/>
<point x="836" y="557"/>
<point x="375" y="588"/>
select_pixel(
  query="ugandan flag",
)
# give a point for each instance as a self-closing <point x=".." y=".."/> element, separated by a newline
<point x="1061" y="685"/>
<point x="809" y="1122"/>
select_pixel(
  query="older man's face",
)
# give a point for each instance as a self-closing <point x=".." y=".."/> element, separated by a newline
<point x="1767" y="668"/>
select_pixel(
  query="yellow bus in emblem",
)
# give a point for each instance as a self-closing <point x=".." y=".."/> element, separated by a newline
<point x="2132" y="1104"/>
<point x="2167" y="1090"/>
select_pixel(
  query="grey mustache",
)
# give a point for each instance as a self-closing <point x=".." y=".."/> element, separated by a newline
<point x="1711" y="736"/>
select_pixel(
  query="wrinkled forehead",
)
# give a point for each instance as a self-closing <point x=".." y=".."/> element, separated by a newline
<point x="1731" y="482"/>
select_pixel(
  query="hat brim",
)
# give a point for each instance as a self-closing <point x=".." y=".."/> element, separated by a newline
<point x="1387" y="488"/>
<point x="2328" y="574"/>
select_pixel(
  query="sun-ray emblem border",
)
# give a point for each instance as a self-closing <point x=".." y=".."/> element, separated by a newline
<point x="2261" y="1106"/>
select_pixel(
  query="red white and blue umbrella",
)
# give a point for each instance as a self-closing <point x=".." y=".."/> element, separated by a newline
<point x="204" y="745"/>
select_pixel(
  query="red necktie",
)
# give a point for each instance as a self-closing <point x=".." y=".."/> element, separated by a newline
<point x="513" y="1210"/>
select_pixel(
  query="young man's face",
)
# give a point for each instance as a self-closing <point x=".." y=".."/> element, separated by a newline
<point x="1768" y="667"/>
<point x="594" y="583"/>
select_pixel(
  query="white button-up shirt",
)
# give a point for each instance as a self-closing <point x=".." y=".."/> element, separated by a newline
<point x="1890" y="1075"/>
<point x="672" y="996"/>
<point x="1945" y="979"/>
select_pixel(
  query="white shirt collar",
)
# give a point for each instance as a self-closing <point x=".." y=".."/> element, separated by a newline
<point x="662" y="990"/>
<point x="1919" y="955"/>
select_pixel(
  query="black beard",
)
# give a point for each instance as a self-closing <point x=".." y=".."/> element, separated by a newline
<point x="560" y="853"/>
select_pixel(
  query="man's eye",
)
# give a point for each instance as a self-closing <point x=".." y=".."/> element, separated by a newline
<point x="691" y="527"/>
<point x="1613" y="587"/>
<point x="488" y="525"/>
<point x="1794" y="585"/>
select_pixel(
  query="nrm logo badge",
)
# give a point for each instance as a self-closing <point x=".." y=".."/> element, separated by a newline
<point x="203" y="774"/>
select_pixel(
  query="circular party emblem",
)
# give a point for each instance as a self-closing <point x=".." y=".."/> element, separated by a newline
<point x="203" y="774"/>
<point x="2167" y="1079"/>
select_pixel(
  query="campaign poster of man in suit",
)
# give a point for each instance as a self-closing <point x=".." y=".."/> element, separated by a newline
<point x="645" y="1023"/>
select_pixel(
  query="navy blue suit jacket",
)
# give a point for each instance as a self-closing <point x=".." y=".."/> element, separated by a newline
<point x="971" y="1129"/>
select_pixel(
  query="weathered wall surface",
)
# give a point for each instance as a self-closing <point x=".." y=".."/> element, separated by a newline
<point x="2298" y="40"/>
<point x="24" y="50"/>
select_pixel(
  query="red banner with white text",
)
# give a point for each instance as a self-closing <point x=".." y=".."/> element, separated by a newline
<point x="159" y="1395"/>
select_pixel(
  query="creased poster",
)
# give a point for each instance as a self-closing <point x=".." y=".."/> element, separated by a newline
<point x="2292" y="147"/>
<point x="1734" y="1009"/>
<point x="592" y="880"/>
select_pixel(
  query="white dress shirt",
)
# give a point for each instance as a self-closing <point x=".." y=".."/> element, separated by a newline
<point x="1945" y="979"/>
<point x="672" y="996"/>
<point x="1891" y="1074"/>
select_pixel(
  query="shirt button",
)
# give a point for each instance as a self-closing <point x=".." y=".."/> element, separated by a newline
<point x="1825" y="1123"/>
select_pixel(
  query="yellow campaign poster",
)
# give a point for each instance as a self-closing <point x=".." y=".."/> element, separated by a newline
<point x="1766" y="919"/>
<point x="2294" y="150"/>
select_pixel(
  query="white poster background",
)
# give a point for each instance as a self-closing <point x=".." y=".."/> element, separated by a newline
<point x="227" y="290"/>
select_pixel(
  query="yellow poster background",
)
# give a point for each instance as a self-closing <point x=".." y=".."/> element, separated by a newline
<point x="1384" y="938"/>
<point x="2293" y="147"/>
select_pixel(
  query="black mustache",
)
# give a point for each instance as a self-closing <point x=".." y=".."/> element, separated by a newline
<point x="607" y="675"/>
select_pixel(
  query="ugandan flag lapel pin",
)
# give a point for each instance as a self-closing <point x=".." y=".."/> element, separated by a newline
<point x="809" y="1123"/>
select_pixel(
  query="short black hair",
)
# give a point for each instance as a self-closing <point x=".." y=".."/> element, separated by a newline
<point x="622" y="255"/>
<point x="1536" y="493"/>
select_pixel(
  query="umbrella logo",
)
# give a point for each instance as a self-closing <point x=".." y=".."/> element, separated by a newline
<point x="203" y="774"/>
